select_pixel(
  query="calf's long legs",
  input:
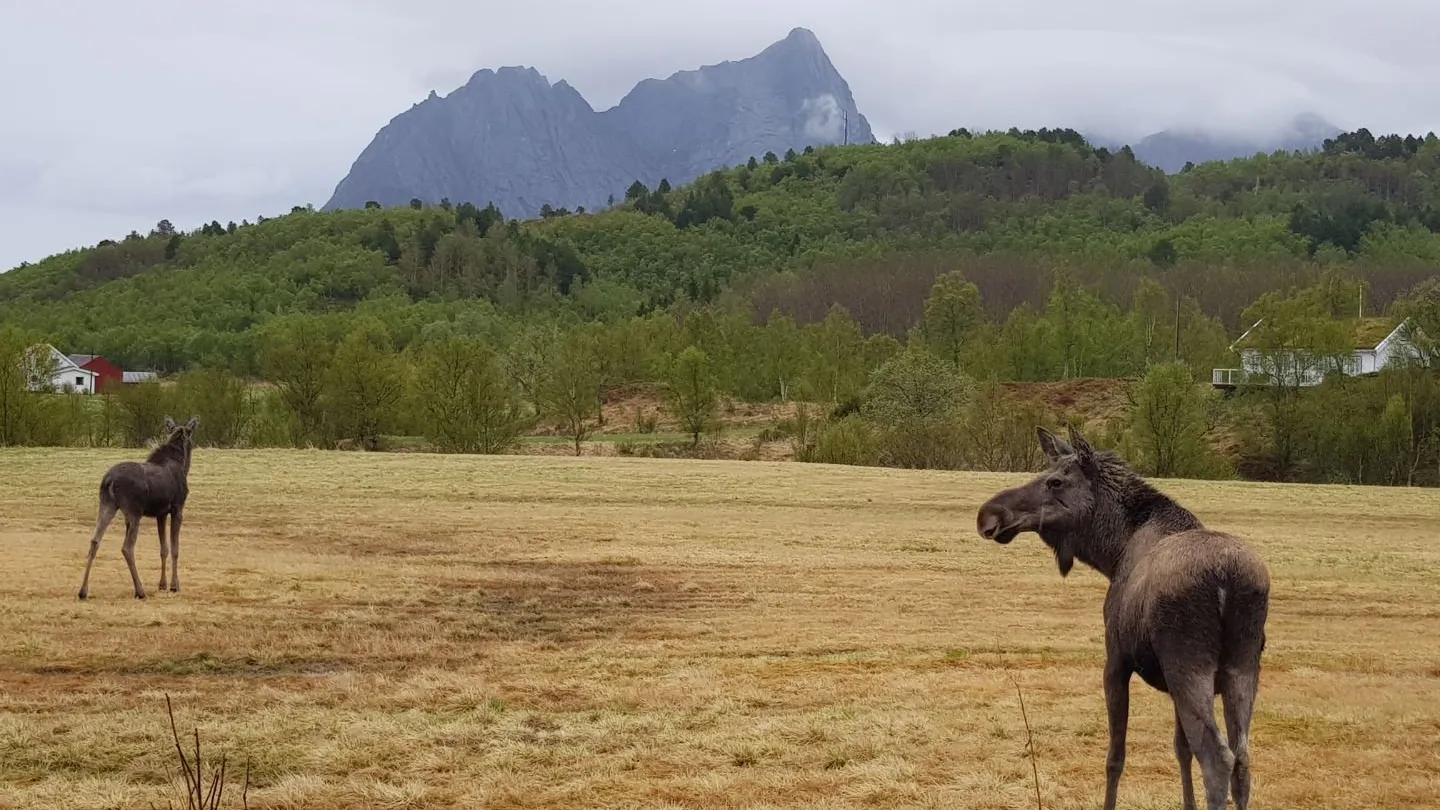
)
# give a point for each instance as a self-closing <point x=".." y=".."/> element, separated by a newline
<point x="132" y="533"/>
<point x="102" y="522"/>
<point x="175" y="550"/>
<point x="164" y="548"/>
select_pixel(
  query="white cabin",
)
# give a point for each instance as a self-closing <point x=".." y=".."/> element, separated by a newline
<point x="67" y="377"/>
<point x="1377" y="342"/>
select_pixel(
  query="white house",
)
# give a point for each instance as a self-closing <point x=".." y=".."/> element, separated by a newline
<point x="1375" y="344"/>
<point x="67" y="376"/>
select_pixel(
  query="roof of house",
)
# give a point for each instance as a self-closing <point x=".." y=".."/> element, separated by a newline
<point x="136" y="376"/>
<point x="1365" y="333"/>
<point x="61" y="361"/>
<point x="1368" y="333"/>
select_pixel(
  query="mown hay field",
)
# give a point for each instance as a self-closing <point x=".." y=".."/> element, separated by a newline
<point x="407" y="630"/>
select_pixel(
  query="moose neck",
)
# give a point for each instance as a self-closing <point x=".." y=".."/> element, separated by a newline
<point x="175" y="454"/>
<point x="1124" y="505"/>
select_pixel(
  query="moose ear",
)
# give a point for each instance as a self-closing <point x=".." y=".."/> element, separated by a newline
<point x="169" y="423"/>
<point x="1083" y="450"/>
<point x="1053" y="446"/>
<point x="194" y="421"/>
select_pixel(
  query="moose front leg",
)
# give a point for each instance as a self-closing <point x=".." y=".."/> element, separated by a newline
<point x="175" y="551"/>
<point x="132" y="533"/>
<point x="1117" y="705"/>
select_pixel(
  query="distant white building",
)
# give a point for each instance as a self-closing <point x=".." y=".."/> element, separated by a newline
<point x="65" y="376"/>
<point x="1375" y="344"/>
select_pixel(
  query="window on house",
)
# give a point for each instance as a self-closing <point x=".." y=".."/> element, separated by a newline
<point x="79" y="382"/>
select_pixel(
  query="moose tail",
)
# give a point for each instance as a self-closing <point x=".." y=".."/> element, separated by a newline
<point x="107" y="489"/>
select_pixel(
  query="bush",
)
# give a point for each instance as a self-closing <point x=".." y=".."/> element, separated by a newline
<point x="915" y="399"/>
<point x="223" y="402"/>
<point x="850" y="440"/>
<point x="1168" y="423"/>
<point x="143" y="408"/>
<point x="468" y="403"/>
<point x="1000" y="432"/>
<point x="934" y="444"/>
<point x="645" y="421"/>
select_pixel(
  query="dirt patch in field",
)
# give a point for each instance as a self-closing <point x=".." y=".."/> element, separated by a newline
<point x="576" y="601"/>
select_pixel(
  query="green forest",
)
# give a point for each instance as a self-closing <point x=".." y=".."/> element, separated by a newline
<point x="892" y="289"/>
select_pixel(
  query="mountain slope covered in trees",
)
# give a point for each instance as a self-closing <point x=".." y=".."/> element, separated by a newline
<point x="893" y="286"/>
<point x="868" y="227"/>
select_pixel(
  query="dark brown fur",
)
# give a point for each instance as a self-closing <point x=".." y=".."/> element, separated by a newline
<point x="1186" y="607"/>
<point x="156" y="487"/>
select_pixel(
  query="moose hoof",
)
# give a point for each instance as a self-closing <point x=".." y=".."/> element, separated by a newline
<point x="82" y="594"/>
<point x="139" y="594"/>
<point x="174" y="588"/>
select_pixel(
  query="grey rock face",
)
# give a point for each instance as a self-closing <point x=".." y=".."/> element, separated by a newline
<point x="512" y="138"/>
<point x="508" y="136"/>
<point x="788" y="96"/>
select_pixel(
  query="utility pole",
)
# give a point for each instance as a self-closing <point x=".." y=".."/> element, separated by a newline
<point x="1177" y="328"/>
<point x="845" y="117"/>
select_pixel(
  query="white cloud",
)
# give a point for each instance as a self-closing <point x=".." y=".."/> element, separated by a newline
<point x="824" y="119"/>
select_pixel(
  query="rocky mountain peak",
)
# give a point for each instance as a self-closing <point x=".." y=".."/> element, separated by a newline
<point x="510" y="137"/>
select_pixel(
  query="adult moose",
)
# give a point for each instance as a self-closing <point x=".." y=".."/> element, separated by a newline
<point x="1186" y="606"/>
<point x="156" y="487"/>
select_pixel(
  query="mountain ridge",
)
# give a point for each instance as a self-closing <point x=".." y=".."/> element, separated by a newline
<point x="1171" y="148"/>
<point x="511" y="137"/>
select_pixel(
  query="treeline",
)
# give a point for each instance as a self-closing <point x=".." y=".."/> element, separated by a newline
<point x="934" y="399"/>
<point x="867" y="227"/>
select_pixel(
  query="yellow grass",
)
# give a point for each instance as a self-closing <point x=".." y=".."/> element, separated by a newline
<point x="528" y="632"/>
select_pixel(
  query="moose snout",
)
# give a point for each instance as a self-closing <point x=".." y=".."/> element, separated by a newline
<point x="989" y="521"/>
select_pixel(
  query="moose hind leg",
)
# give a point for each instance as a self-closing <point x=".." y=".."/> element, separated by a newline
<point x="132" y="533"/>
<point x="102" y="522"/>
<point x="1186" y="759"/>
<point x="1195" y="709"/>
<point x="1238" y="694"/>
<point x="164" y="548"/>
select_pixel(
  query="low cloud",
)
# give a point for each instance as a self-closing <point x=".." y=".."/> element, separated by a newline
<point x="824" y="118"/>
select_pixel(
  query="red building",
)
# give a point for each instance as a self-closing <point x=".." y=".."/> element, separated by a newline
<point x="106" y="372"/>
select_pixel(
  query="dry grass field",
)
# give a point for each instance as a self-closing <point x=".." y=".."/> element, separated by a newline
<point x="405" y="630"/>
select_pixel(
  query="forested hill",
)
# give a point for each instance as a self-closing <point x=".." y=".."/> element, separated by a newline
<point x="867" y="227"/>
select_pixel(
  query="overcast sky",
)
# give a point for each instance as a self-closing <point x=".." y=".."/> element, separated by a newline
<point x="115" y="115"/>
